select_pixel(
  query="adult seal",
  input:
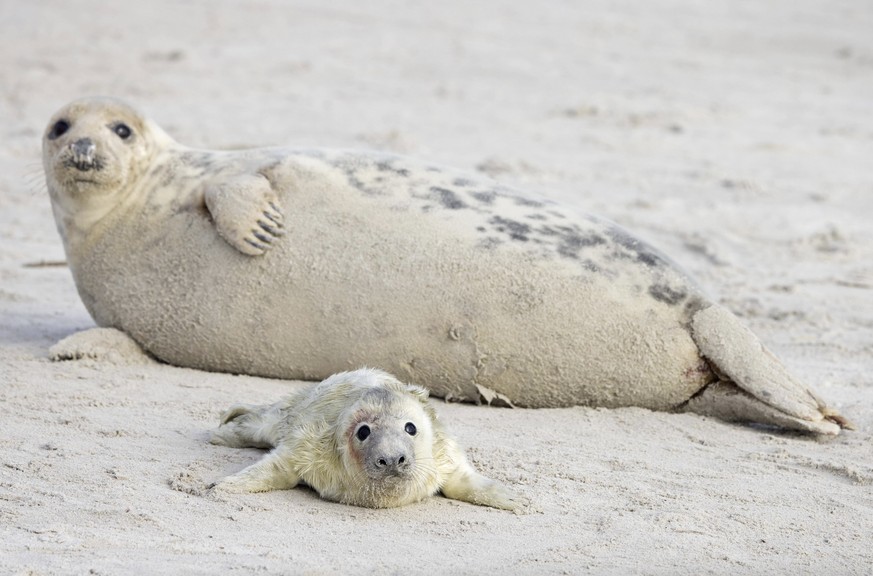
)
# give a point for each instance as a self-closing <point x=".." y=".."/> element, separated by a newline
<point x="361" y="438"/>
<point x="301" y="263"/>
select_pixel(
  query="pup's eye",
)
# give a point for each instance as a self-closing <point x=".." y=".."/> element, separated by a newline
<point x="363" y="432"/>
<point x="60" y="127"/>
<point x="123" y="131"/>
<point x="410" y="429"/>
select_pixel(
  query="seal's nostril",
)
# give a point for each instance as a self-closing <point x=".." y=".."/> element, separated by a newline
<point x="401" y="460"/>
<point x="382" y="462"/>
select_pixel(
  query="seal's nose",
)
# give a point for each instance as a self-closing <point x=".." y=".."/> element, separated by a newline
<point x="392" y="463"/>
<point x="83" y="151"/>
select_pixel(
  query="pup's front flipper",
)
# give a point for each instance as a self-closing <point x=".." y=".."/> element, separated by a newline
<point x="467" y="485"/>
<point x="246" y="212"/>
<point x="269" y="473"/>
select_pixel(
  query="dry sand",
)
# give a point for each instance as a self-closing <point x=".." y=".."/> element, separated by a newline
<point x="736" y="135"/>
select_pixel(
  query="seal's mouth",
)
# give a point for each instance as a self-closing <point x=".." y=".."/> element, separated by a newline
<point x="81" y="166"/>
<point x="80" y="176"/>
<point x="388" y="476"/>
<point x="93" y="164"/>
<point x="387" y="484"/>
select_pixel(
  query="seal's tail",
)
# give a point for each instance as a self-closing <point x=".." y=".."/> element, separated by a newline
<point x="248" y="426"/>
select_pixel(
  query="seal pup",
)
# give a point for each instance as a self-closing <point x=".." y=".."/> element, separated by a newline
<point x="302" y="263"/>
<point x="361" y="438"/>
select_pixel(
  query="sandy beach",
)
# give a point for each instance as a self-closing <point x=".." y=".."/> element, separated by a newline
<point x="737" y="136"/>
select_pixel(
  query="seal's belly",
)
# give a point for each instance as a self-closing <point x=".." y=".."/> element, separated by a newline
<point x="441" y="280"/>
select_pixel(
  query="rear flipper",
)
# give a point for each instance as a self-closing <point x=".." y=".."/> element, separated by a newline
<point x="248" y="426"/>
<point x="726" y="401"/>
<point x="754" y="385"/>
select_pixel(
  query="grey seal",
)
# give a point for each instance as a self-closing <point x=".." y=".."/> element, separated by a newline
<point x="302" y="263"/>
<point x="361" y="438"/>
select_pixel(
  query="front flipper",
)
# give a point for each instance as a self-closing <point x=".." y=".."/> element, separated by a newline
<point x="246" y="212"/>
<point x="269" y="473"/>
<point x="101" y="344"/>
<point x="764" y="390"/>
<point x="467" y="485"/>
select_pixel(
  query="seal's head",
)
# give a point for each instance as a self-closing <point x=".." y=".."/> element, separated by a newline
<point x="94" y="150"/>
<point x="386" y="445"/>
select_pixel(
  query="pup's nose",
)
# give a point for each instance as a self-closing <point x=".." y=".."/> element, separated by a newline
<point x="83" y="151"/>
<point x="392" y="463"/>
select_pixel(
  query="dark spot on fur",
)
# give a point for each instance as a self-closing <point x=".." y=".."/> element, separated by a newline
<point x="667" y="295"/>
<point x="695" y="304"/>
<point x="649" y="258"/>
<point x="636" y="248"/>
<point x="462" y="182"/>
<point x="481" y="229"/>
<point x="516" y="230"/>
<point x="486" y="197"/>
<point x="351" y="166"/>
<point x="519" y="201"/>
<point x="537" y="216"/>
<point x="490" y="242"/>
<point x="570" y="239"/>
<point x="204" y="161"/>
<point x="386" y="166"/>
<point x="572" y="242"/>
<point x="359" y="184"/>
<point x="447" y="198"/>
<point x="160" y="173"/>
<point x="168" y="170"/>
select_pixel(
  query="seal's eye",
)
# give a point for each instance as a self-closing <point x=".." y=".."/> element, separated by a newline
<point x="60" y="127"/>
<point x="363" y="432"/>
<point x="410" y="429"/>
<point x="123" y="131"/>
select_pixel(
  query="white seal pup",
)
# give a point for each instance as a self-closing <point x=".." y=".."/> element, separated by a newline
<point x="361" y="438"/>
<point x="302" y="263"/>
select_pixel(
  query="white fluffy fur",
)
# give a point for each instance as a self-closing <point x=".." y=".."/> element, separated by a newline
<point x="312" y="436"/>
